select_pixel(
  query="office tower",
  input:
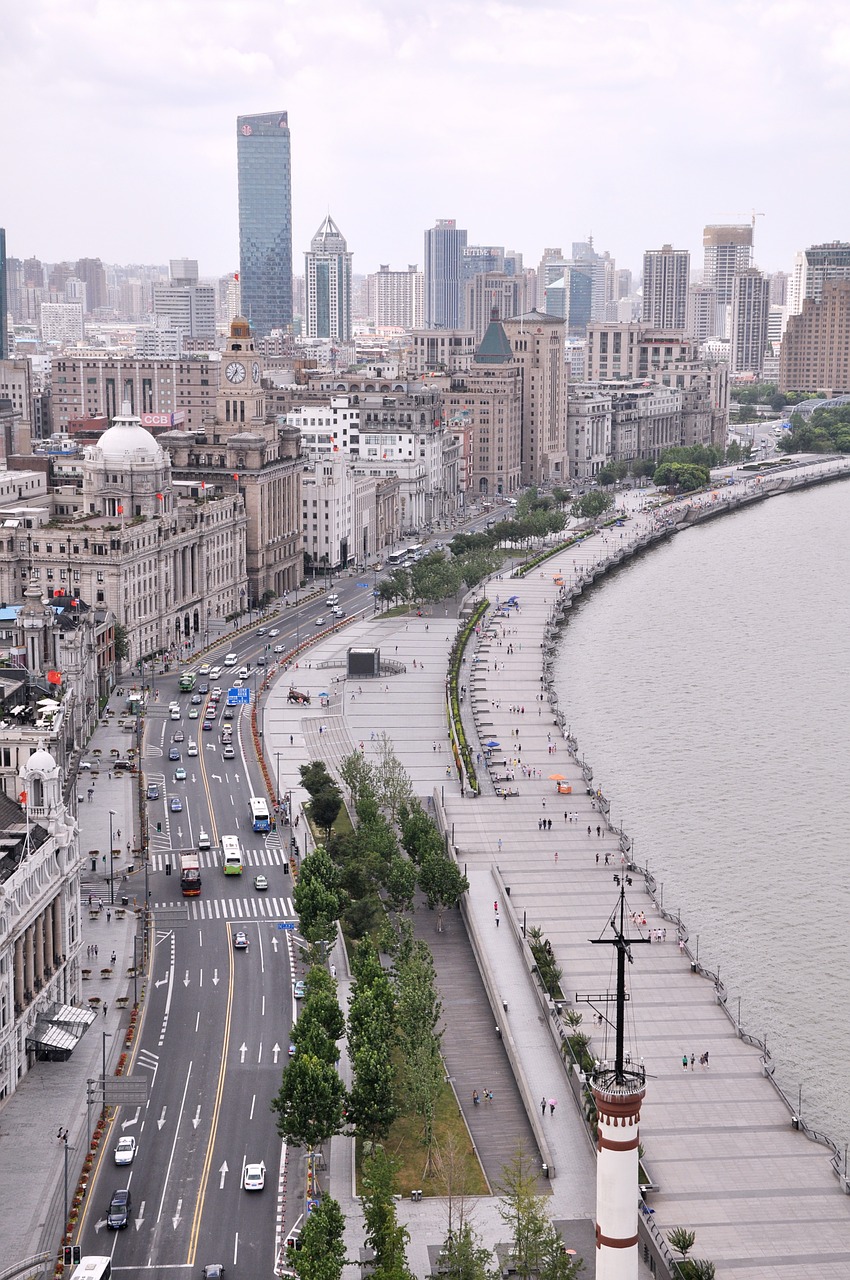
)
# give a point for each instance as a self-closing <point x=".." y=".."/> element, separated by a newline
<point x="513" y="263"/>
<point x="748" y="331"/>
<point x="489" y="296"/>
<point x="396" y="298"/>
<point x="779" y="282"/>
<point x="477" y="260"/>
<point x="327" y="275"/>
<point x="443" y="299"/>
<point x="815" y="351"/>
<point x="184" y="304"/>
<point x="538" y="345"/>
<point x="93" y="276"/>
<point x="601" y="268"/>
<point x="265" y="220"/>
<point x="824" y="262"/>
<point x="728" y="250"/>
<point x="666" y="274"/>
<point x="552" y="266"/>
<point x="4" y="299"/>
<point x="570" y="298"/>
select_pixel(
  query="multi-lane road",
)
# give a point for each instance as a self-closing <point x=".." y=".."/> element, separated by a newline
<point x="216" y="1027"/>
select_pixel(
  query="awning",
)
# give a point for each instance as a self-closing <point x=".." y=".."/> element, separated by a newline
<point x="56" y="1034"/>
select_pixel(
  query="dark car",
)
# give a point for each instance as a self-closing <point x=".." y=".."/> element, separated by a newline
<point x="173" y="753"/>
<point x="120" y="1207"/>
<point x="213" y="1271"/>
<point x="153" y="791"/>
<point x="203" y="688"/>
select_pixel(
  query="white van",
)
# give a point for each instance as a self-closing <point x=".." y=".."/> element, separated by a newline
<point x="203" y="840"/>
<point x="230" y="659"/>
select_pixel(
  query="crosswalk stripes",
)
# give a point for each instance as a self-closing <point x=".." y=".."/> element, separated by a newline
<point x="260" y="857"/>
<point x="234" y="909"/>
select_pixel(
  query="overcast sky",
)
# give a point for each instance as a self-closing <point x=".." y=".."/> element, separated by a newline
<point x="532" y="123"/>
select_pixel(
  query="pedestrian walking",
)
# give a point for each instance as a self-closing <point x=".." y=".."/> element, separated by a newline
<point x="556" y="857"/>
<point x="108" y="916"/>
<point x="692" y="1062"/>
<point x="105" y="1008"/>
<point x="113" y="958"/>
<point x="684" y="1061"/>
<point x="543" y="1106"/>
<point x="497" y="922"/>
<point x="589" y="832"/>
<point x="499" y="842"/>
<point x="475" y="1097"/>
<point x="553" y="1102"/>
<point x="705" y="1056"/>
<point x="496" y="907"/>
<point x="598" y="830"/>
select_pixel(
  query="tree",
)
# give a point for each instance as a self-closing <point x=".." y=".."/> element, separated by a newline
<point x="464" y="1257"/>
<point x="325" y="807"/>
<point x="687" y="1268"/>
<point x="318" y="898"/>
<point x="442" y="882"/>
<point x="322" y="1252"/>
<point x="591" y="505"/>
<point x="309" y="1102"/>
<point x="418" y="1012"/>
<point x="681" y="475"/>
<point x="733" y="452"/>
<point x="400" y="883"/>
<point x="372" y="1104"/>
<point x="536" y="1246"/>
<point x="392" y="785"/>
<point x="561" y="496"/>
<point x="122" y="643"/>
<point x="315" y="777"/>
<point x="384" y="1234"/>
<point x="356" y="773"/>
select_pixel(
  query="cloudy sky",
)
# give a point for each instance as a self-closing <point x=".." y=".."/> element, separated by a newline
<point x="533" y="123"/>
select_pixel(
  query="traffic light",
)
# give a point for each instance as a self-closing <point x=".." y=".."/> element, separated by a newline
<point x="72" y="1254"/>
<point x="159" y="826"/>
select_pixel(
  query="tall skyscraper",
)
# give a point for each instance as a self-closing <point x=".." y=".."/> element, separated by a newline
<point x="824" y="262"/>
<point x="443" y="297"/>
<point x="728" y="250"/>
<point x="750" y="314"/>
<point x="265" y="220"/>
<point x="327" y="277"/>
<point x="4" y="299"/>
<point x="666" y="274"/>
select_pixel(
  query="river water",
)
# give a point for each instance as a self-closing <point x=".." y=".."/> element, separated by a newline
<point x="708" y="684"/>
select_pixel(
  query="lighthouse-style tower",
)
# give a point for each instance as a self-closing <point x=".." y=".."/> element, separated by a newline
<point x="618" y="1091"/>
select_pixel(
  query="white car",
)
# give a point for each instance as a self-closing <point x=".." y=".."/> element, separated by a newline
<point x="230" y="659"/>
<point x="215" y="673"/>
<point x="278" y="648"/>
<point x="243" y="673"/>
<point x="125" y="1152"/>
<point x="334" y="599"/>
<point x="274" y="632"/>
<point x="254" y="1178"/>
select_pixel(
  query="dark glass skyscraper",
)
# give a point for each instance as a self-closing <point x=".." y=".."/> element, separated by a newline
<point x="265" y="220"/>
<point x="444" y="244"/>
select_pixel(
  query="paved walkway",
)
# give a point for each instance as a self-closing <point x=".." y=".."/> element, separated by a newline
<point x="52" y="1096"/>
<point x="720" y="1147"/>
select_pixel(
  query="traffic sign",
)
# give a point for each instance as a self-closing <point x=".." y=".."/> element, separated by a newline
<point x="362" y="584"/>
<point x="286" y="924"/>
<point x="235" y="696"/>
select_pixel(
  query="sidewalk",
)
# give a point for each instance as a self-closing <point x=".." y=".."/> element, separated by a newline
<point x="52" y="1096"/>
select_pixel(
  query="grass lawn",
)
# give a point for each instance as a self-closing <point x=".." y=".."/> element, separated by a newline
<point x="405" y="1146"/>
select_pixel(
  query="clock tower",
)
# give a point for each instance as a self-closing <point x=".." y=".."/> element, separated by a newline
<point x="240" y="399"/>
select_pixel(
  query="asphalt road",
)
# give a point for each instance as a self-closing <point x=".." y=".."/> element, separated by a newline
<point x="216" y="1027"/>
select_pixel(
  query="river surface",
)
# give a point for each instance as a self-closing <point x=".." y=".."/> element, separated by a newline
<point x="708" y="684"/>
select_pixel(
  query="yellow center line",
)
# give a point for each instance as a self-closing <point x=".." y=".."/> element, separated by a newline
<point x="205" y="1174"/>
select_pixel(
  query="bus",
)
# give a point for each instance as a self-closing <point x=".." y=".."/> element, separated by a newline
<point x="93" y="1267"/>
<point x="396" y="558"/>
<point x="190" y="873"/>
<point x="260" y="814"/>
<point x="187" y="681"/>
<point x="231" y="855"/>
<point x="416" y="550"/>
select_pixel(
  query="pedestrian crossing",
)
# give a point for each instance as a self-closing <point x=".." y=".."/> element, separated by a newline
<point x="233" y="910"/>
<point x="266" y="856"/>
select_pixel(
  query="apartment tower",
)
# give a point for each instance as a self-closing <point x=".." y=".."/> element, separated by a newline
<point x="666" y="275"/>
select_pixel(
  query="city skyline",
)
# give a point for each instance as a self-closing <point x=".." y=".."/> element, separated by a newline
<point x="436" y="99"/>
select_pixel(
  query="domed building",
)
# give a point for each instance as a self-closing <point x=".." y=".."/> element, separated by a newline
<point x="166" y="556"/>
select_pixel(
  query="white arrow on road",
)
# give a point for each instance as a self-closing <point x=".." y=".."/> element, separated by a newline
<point x="161" y="981"/>
<point x="141" y="1216"/>
<point x="197" y="1119"/>
<point x="276" y="1051"/>
<point x="161" y="1121"/>
<point x="274" y="941"/>
<point x="216" y="777"/>
<point x="186" y="979"/>
<point x="175" y="1220"/>
<point x="243" y="1049"/>
<point x="223" y="1172"/>
<point x="125" y="1124"/>
<point x="215" y="977"/>
<point x="100" y="1223"/>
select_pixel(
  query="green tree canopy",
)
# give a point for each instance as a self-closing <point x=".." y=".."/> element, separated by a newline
<point x="325" y="807"/>
<point x="309" y="1102"/>
<point x="322" y="1252"/>
<point x="681" y="475"/>
<point x="315" y="777"/>
<point x="384" y="1234"/>
<point x="591" y="505"/>
<point x="442" y="882"/>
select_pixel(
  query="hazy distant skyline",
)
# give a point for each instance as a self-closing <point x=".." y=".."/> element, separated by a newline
<point x="533" y="124"/>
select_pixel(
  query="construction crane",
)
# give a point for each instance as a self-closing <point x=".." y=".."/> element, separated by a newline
<point x="756" y="214"/>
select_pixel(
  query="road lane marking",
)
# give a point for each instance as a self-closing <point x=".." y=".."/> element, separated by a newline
<point x="174" y="1143"/>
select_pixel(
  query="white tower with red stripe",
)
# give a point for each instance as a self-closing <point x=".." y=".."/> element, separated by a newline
<point x="618" y="1092"/>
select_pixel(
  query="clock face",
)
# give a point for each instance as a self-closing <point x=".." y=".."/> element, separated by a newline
<point x="235" y="372"/>
<point x="255" y="371"/>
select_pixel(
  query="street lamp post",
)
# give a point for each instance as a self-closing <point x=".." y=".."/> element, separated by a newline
<point x="111" y="858"/>
<point x="105" y="1035"/>
<point x="277" y="763"/>
<point x="65" y="1142"/>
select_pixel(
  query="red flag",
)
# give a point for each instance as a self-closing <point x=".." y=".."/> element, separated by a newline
<point x="236" y="275"/>
<point x="54" y="677"/>
<point x="58" y="592"/>
<point x="236" y="477"/>
<point x="120" y="510"/>
<point x="23" y="797"/>
<point x="159" y="497"/>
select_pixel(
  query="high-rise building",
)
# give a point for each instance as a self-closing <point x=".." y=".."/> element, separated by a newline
<point x="537" y="340"/>
<point x="396" y="298"/>
<point x="327" y="275"/>
<point x="184" y="304"/>
<point x="487" y="400"/>
<point x="750" y="314"/>
<point x="4" y="299"/>
<point x="62" y="323"/>
<point x="815" y="351"/>
<point x="444" y="243"/>
<point x="728" y="250"/>
<point x="570" y="298"/>
<point x="666" y="275"/>
<point x="702" y="312"/>
<point x="93" y="276"/>
<point x="824" y="262"/>
<point x="265" y="220"/>
<point x="552" y="266"/>
<point x="492" y="295"/>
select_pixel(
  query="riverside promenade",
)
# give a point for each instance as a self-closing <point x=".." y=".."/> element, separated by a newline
<point x="721" y="1151"/>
